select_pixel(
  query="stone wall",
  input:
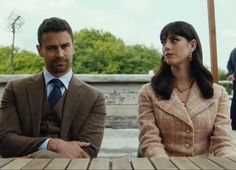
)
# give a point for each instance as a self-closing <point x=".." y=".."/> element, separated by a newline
<point x="120" y="90"/>
<point x="121" y="94"/>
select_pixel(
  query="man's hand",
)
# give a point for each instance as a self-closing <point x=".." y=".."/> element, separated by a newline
<point x="231" y="77"/>
<point x="70" y="149"/>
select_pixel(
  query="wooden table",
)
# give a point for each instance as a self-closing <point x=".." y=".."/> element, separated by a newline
<point x="173" y="163"/>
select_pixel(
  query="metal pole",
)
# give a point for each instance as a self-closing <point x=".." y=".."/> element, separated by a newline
<point x="13" y="43"/>
<point x="212" y="34"/>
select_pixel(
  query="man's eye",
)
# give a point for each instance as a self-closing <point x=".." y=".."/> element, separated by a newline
<point x="65" y="46"/>
<point x="51" y="48"/>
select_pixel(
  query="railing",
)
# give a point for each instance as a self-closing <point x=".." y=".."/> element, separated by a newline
<point x="228" y="86"/>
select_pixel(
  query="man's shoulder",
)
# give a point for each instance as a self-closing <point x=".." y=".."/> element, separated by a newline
<point x="85" y="86"/>
<point x="26" y="80"/>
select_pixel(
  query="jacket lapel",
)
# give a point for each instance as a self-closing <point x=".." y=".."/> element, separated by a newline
<point x="197" y="103"/>
<point x="73" y="100"/>
<point x="35" y="91"/>
<point x="174" y="107"/>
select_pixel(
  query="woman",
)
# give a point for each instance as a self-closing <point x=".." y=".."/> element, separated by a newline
<point x="182" y="112"/>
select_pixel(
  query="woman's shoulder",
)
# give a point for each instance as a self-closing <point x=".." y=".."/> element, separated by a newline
<point x="146" y="89"/>
<point x="218" y="86"/>
<point x="219" y="89"/>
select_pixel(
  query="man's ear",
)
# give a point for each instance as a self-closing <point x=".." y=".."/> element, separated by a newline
<point x="73" y="48"/>
<point x="39" y="48"/>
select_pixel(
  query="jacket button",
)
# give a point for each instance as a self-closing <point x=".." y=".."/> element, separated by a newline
<point x="187" y="131"/>
<point x="187" y="145"/>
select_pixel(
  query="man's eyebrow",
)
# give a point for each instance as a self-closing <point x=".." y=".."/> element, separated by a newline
<point x="66" y="43"/>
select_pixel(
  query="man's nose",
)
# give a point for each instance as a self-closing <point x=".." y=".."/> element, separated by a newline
<point x="60" y="52"/>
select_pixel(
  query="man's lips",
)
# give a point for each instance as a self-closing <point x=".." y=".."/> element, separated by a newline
<point x="59" y="62"/>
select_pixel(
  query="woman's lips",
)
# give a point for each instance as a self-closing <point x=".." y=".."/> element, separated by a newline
<point x="168" y="54"/>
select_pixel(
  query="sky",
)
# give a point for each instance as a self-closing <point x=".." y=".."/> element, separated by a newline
<point x="134" y="21"/>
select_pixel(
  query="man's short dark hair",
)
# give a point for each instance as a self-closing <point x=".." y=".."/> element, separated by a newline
<point x="53" y="24"/>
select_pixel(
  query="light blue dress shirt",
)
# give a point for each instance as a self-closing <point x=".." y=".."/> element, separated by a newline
<point x="65" y="79"/>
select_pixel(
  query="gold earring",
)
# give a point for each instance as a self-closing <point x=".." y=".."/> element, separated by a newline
<point x="190" y="56"/>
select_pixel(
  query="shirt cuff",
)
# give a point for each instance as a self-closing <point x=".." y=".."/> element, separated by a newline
<point x="44" y="145"/>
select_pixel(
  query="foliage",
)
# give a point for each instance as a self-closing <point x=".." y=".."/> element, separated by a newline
<point x="27" y="62"/>
<point x="101" y="52"/>
<point x="24" y="61"/>
<point x="5" y="53"/>
<point x="223" y="76"/>
<point x="96" y="52"/>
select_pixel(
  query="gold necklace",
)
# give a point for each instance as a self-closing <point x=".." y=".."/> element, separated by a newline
<point x="184" y="89"/>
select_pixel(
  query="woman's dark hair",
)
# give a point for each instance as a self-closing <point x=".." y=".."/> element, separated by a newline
<point x="162" y="81"/>
<point x="53" y="24"/>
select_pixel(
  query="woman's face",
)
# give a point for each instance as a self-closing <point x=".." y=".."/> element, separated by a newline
<point x="176" y="49"/>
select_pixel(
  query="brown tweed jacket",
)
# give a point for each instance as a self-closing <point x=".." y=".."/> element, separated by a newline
<point x="21" y="109"/>
<point x="168" y="128"/>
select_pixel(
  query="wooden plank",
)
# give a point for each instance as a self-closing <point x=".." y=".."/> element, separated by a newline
<point x="183" y="163"/>
<point x="36" y="164"/>
<point x="141" y="163"/>
<point x="80" y="164"/>
<point x="58" y="163"/>
<point x="163" y="163"/>
<point x="100" y="163"/>
<point x="17" y="163"/>
<point x="4" y="161"/>
<point x="204" y="163"/>
<point x="223" y="162"/>
<point x="121" y="164"/>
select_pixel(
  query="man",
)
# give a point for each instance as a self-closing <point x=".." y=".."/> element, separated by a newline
<point x="52" y="114"/>
<point x="231" y="66"/>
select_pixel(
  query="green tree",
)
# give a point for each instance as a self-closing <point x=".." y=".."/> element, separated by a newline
<point x="140" y="59"/>
<point x="223" y="76"/>
<point x="5" y="53"/>
<point x="27" y="62"/>
<point x="96" y="52"/>
<point x="24" y="61"/>
<point x="101" y="52"/>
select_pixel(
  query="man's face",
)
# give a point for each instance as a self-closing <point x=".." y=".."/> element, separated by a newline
<point x="57" y="50"/>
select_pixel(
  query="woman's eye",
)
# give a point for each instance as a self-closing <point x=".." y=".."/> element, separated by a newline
<point x="163" y="43"/>
<point x="174" y="40"/>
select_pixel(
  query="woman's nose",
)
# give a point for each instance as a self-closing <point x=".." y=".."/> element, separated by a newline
<point x="165" y="47"/>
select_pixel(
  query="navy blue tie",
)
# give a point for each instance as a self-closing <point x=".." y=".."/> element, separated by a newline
<point x="55" y="94"/>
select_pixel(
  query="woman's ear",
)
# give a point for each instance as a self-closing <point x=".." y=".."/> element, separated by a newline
<point x="193" y="44"/>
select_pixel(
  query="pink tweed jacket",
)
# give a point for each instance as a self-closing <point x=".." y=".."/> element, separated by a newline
<point x="168" y="128"/>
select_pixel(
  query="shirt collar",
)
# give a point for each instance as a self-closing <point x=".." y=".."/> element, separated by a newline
<point x="65" y="79"/>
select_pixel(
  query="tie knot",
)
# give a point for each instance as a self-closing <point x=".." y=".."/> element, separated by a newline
<point x="56" y="82"/>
